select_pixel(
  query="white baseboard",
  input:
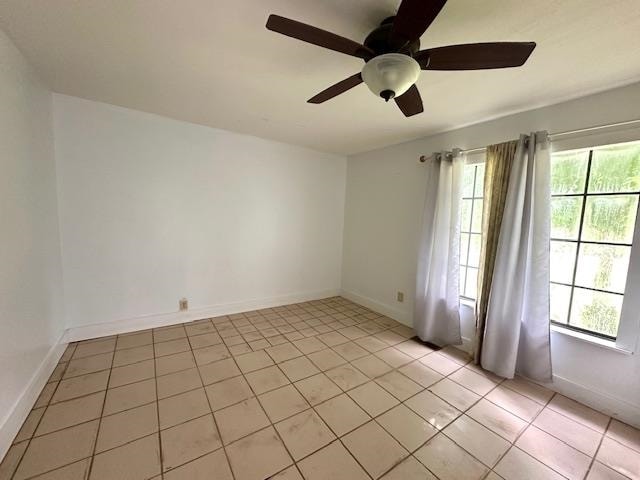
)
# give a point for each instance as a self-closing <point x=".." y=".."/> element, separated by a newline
<point x="383" y="308"/>
<point x="615" y="407"/>
<point x="115" y="327"/>
<point x="17" y="414"/>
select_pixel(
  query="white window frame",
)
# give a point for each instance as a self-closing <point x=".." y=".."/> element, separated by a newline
<point x="628" y="335"/>
<point x="628" y="338"/>
<point x="476" y="158"/>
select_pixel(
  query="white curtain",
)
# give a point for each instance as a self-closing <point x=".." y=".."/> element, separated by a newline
<point x="516" y="336"/>
<point x="437" y="305"/>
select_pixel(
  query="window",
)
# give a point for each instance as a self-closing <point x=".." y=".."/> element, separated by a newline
<point x="594" y="206"/>
<point x="471" y="228"/>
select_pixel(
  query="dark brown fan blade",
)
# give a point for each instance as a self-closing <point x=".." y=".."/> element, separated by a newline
<point x="410" y="102"/>
<point x="475" y="56"/>
<point x="317" y="36"/>
<point x="337" y="89"/>
<point x="413" y="18"/>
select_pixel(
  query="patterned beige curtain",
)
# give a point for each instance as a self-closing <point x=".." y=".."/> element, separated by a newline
<point x="496" y="179"/>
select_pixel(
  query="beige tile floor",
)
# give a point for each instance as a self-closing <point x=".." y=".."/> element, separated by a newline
<point x="321" y="390"/>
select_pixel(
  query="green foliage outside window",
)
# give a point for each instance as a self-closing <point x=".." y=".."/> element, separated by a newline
<point x="599" y="316"/>
<point x="606" y="218"/>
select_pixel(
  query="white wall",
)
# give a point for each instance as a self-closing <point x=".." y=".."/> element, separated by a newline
<point x="385" y="194"/>
<point x="31" y="315"/>
<point x="152" y="210"/>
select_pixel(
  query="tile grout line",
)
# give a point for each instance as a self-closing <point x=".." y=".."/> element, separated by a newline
<point x="438" y="430"/>
<point x="215" y="422"/>
<point x="177" y="394"/>
<point x="66" y="428"/>
<point x="159" y="433"/>
<point x="104" y="402"/>
<point x="462" y="414"/>
<point x="337" y="438"/>
<point x="529" y="424"/>
<point x="31" y="437"/>
<point x="311" y="407"/>
<point x="602" y="434"/>
<point x="577" y="421"/>
<point x="371" y="418"/>
<point x="595" y="453"/>
<point x="172" y="426"/>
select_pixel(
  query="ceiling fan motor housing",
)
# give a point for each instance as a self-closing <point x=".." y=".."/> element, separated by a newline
<point x="381" y="41"/>
<point x="392" y="71"/>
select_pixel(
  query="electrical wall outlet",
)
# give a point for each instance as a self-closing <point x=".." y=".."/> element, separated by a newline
<point x="184" y="304"/>
<point x="400" y="296"/>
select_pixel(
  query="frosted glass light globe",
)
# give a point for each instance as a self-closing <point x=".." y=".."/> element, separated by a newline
<point x="390" y="75"/>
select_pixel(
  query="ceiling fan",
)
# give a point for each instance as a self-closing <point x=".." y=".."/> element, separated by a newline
<point x="393" y="56"/>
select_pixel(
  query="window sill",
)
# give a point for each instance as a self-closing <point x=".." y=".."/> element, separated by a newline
<point x="468" y="302"/>
<point x="599" y="342"/>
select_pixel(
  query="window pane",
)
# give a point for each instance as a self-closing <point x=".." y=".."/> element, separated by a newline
<point x="563" y="257"/>
<point x="472" y="283"/>
<point x="476" y="221"/>
<point x="471" y="221"/>
<point x="465" y="215"/>
<point x="467" y="180"/>
<point x="603" y="267"/>
<point x="569" y="172"/>
<point x="474" y="250"/>
<point x="610" y="218"/>
<point x="479" y="180"/>
<point x="464" y="248"/>
<point x="615" y="169"/>
<point x="560" y="298"/>
<point x="596" y="311"/>
<point x="565" y="217"/>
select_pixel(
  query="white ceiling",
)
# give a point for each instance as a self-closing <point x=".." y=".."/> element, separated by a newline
<point x="212" y="62"/>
